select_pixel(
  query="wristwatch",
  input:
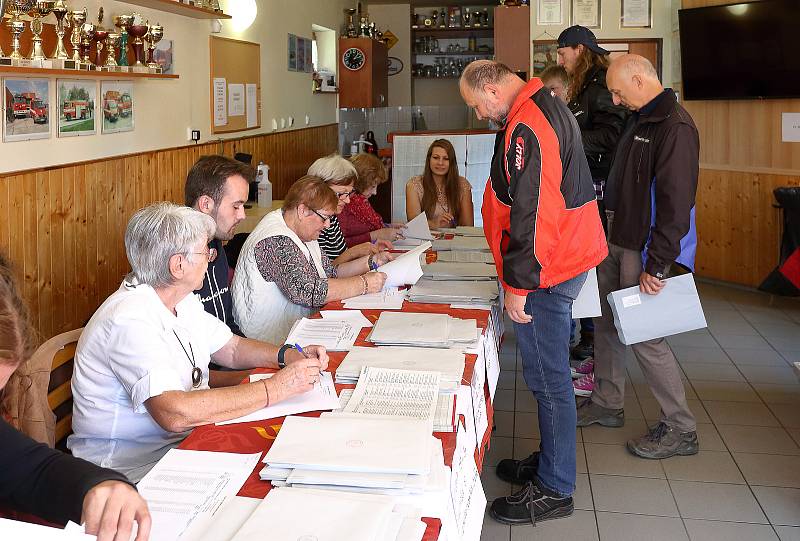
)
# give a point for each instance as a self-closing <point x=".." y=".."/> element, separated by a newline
<point x="281" y="353"/>
<point x="371" y="263"/>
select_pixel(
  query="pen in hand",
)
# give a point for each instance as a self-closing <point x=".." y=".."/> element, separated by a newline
<point x="299" y="348"/>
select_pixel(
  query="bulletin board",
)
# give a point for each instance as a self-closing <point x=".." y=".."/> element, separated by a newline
<point x="235" y="85"/>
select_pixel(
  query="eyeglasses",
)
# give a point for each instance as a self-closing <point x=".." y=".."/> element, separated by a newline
<point x="342" y="195"/>
<point x="211" y="254"/>
<point x="323" y="217"/>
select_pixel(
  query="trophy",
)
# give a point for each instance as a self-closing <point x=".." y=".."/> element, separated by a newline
<point x="17" y="26"/>
<point x="435" y="18"/>
<point x="87" y="37"/>
<point x="42" y="8"/>
<point x="350" y="30"/>
<point x="154" y="35"/>
<point x="467" y="18"/>
<point x="123" y="22"/>
<point x="60" y="55"/>
<point x="76" y="20"/>
<point x="415" y="20"/>
<point x="99" y="38"/>
<point x="138" y="31"/>
<point x="3" y="59"/>
<point x="112" y="42"/>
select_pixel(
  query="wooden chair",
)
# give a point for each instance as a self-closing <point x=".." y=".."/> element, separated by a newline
<point x="60" y="352"/>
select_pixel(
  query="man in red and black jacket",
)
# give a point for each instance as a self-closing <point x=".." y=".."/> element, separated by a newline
<point x="541" y="220"/>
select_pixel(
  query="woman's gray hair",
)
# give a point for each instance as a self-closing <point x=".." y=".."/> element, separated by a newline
<point x="334" y="169"/>
<point x="159" y="231"/>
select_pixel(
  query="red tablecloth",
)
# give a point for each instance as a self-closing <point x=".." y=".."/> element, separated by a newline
<point x="257" y="436"/>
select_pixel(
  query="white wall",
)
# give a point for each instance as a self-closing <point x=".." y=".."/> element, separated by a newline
<point x="397" y="18"/>
<point x="164" y="109"/>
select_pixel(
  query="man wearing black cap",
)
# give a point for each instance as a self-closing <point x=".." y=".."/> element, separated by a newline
<point x="601" y="123"/>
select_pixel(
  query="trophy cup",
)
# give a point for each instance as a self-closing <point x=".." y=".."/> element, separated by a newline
<point x="87" y="37"/>
<point x="112" y="42"/>
<point x="138" y="31"/>
<point x="467" y="18"/>
<point x="60" y="56"/>
<point x="17" y="26"/>
<point x="153" y="36"/>
<point x="42" y="8"/>
<point x="99" y="38"/>
<point x="76" y="20"/>
<point x="350" y="29"/>
<point x="435" y="18"/>
<point x="4" y="60"/>
<point x="123" y="22"/>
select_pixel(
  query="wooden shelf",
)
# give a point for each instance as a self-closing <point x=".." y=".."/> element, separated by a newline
<point x="82" y="74"/>
<point x="482" y="32"/>
<point x="173" y="6"/>
<point x="462" y="53"/>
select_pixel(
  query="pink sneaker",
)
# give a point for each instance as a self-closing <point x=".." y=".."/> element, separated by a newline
<point x="584" y="385"/>
<point x="586" y="367"/>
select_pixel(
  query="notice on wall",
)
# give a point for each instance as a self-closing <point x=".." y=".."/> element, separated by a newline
<point x="236" y="99"/>
<point x="220" y="102"/>
<point x="790" y="127"/>
<point x="252" y="105"/>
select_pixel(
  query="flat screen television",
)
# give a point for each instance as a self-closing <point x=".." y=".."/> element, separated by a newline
<point x="741" y="51"/>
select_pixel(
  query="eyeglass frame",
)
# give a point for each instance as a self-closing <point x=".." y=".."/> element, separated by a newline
<point x="344" y="194"/>
<point x="211" y="255"/>
<point x="323" y="217"/>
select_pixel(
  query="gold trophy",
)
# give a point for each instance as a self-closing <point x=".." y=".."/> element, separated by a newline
<point x="17" y="26"/>
<point x="99" y="38"/>
<point x="154" y="35"/>
<point x="76" y="20"/>
<point x="4" y="60"/>
<point x="60" y="55"/>
<point x="87" y="36"/>
<point x="42" y="8"/>
<point x="112" y="42"/>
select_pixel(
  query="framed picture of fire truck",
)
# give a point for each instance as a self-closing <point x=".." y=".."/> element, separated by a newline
<point x="27" y="111"/>
<point x="116" y="106"/>
<point x="76" y="102"/>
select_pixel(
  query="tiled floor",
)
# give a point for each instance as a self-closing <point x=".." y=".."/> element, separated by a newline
<point x="745" y="482"/>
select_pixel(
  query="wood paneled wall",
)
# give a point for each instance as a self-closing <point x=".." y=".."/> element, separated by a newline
<point x="742" y="160"/>
<point x="63" y="227"/>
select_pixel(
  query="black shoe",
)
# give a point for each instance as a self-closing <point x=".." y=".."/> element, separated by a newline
<point x="590" y="413"/>
<point x="518" y="472"/>
<point x="584" y="348"/>
<point x="662" y="441"/>
<point x="532" y="503"/>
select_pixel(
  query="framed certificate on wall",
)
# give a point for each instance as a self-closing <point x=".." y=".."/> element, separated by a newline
<point x="636" y="14"/>
<point x="550" y="12"/>
<point x="586" y="13"/>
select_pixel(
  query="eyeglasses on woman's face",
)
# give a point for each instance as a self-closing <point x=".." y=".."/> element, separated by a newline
<point x="211" y="254"/>
<point x="345" y="195"/>
<point x="323" y="217"/>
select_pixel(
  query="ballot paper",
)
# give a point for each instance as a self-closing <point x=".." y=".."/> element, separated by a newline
<point x="335" y="335"/>
<point x="587" y="304"/>
<point x="306" y="515"/>
<point x="449" y="363"/>
<point x="224" y="524"/>
<point x="418" y="228"/>
<point x="16" y="530"/>
<point x="461" y="244"/>
<point x="404" y="269"/>
<point x="187" y="487"/>
<point x="464" y="231"/>
<point x="406" y="328"/>
<point x="354" y="317"/>
<point x="466" y="292"/>
<point x="388" y="299"/>
<point x="409" y="394"/>
<point x="362" y="445"/>
<point x="466" y="492"/>
<point x="465" y="257"/>
<point x="443" y="420"/>
<point x="322" y="397"/>
<point x="444" y="270"/>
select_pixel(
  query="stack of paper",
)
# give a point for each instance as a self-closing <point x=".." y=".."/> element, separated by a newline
<point x="465" y="257"/>
<point x="461" y="244"/>
<point x="449" y="363"/>
<point x="454" y="292"/>
<point x="308" y="514"/>
<point x="354" y="317"/>
<point x="444" y="420"/>
<point x="441" y="270"/>
<point x="423" y="330"/>
<point x="335" y="335"/>
<point x="388" y="299"/>
<point x="405" y="269"/>
<point x="463" y="231"/>
<point x="409" y="394"/>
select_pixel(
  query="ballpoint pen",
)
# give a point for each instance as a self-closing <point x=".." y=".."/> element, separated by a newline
<point x="303" y="353"/>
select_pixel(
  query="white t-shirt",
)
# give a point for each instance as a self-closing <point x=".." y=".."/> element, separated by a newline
<point x="128" y="353"/>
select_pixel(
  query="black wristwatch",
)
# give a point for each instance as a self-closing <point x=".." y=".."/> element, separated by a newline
<point x="281" y="353"/>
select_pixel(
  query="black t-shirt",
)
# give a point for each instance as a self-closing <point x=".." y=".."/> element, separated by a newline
<point x="216" y="293"/>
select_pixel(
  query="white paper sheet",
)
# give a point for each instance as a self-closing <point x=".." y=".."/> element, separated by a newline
<point x="464" y="407"/>
<point x="388" y="299"/>
<point x="335" y="335"/>
<point x="465" y="257"/>
<point x="189" y="486"/>
<point x="220" y="102"/>
<point x="418" y="228"/>
<point x="411" y="329"/>
<point x="410" y="394"/>
<point x="252" y="105"/>
<point x="587" y="304"/>
<point x="466" y="491"/>
<point x="225" y="522"/>
<point x="477" y="387"/>
<point x="321" y="398"/>
<point x="464" y="231"/>
<point x="492" y="356"/>
<point x="354" y="317"/>
<point x="236" y="99"/>
<point x="445" y="270"/>
<point x="405" y="269"/>
<point x="17" y="530"/>
<point x="461" y="244"/>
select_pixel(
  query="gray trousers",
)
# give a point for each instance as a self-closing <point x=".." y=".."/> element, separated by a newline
<point x="619" y="270"/>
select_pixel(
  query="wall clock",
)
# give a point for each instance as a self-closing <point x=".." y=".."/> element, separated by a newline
<point x="354" y="58"/>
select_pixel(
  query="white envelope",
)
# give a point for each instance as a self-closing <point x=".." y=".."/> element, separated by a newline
<point x="640" y="317"/>
<point x="587" y="304"/>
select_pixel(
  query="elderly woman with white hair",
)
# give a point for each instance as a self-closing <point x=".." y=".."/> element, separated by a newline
<point x="140" y="381"/>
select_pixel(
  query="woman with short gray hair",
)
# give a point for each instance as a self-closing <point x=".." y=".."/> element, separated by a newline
<point x="140" y="381"/>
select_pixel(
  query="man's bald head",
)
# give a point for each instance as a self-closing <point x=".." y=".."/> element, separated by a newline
<point x="489" y="88"/>
<point x="633" y="81"/>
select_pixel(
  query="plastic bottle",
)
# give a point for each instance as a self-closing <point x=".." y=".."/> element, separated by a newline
<point x="264" y="185"/>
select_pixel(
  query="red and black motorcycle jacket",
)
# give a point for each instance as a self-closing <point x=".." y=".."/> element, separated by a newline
<point x="539" y="211"/>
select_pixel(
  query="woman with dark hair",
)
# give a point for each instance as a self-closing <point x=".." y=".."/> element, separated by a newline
<point x="601" y="124"/>
<point x="440" y="192"/>
<point x="50" y="484"/>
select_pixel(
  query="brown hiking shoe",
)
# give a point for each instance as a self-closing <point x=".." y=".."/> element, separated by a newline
<point x="663" y="441"/>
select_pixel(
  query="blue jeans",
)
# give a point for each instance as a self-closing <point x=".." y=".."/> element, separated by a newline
<point x="544" y="345"/>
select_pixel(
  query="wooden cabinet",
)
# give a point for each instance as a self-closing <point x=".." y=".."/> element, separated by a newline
<point x="512" y="38"/>
<point x="363" y="77"/>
